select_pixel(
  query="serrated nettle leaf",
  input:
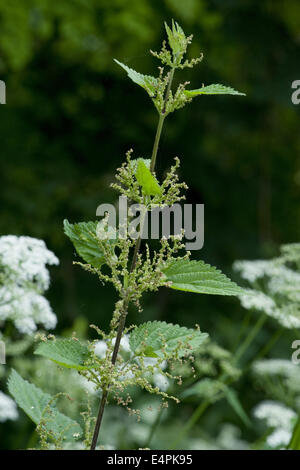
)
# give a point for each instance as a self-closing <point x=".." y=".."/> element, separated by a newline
<point x="147" y="181"/>
<point x="214" y="89"/>
<point x="83" y="235"/>
<point x="147" y="82"/>
<point x="199" y="277"/>
<point x="161" y="339"/>
<point x="68" y="353"/>
<point x="39" y="406"/>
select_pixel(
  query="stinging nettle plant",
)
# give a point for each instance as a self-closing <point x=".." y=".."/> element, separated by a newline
<point x="151" y="347"/>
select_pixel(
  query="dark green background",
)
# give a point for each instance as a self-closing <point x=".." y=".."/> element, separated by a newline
<point x="71" y="115"/>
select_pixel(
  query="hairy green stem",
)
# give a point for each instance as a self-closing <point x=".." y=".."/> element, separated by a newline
<point x="162" y="117"/>
<point x="99" y="418"/>
<point x="156" y="142"/>
<point x="122" y="321"/>
<point x="113" y="361"/>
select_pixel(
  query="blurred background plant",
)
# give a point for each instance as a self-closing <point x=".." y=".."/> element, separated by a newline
<point x="69" y="119"/>
<point x="24" y="278"/>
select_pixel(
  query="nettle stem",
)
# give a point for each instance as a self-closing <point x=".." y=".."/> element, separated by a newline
<point x="113" y="361"/>
<point x="161" y="121"/>
<point x="156" y="141"/>
<point x="123" y="316"/>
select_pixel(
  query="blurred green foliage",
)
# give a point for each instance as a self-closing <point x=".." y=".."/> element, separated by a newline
<point x="71" y="115"/>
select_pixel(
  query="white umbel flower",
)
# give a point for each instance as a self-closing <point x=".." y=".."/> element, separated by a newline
<point x="279" y="296"/>
<point x="24" y="259"/>
<point x="275" y="414"/>
<point x="283" y="371"/>
<point x="287" y="315"/>
<point x="275" y="367"/>
<point x="24" y="279"/>
<point x="279" y="438"/>
<point x="252" y="270"/>
<point x="258" y="301"/>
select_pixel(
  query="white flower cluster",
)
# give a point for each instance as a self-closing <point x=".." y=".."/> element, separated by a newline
<point x="159" y="379"/>
<point x="280" y="419"/>
<point x="286" y="315"/>
<point x="282" y="298"/>
<point x="279" y="438"/>
<point x="8" y="408"/>
<point x="23" y="279"/>
<point x="286" y="283"/>
<point x="257" y="300"/>
<point x="275" y="414"/>
<point x="274" y="268"/>
<point x="275" y="367"/>
<point x="24" y="259"/>
<point x="285" y="371"/>
<point x="252" y="270"/>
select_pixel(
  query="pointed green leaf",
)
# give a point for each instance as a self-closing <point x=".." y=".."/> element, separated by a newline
<point x="199" y="277"/>
<point x="147" y="82"/>
<point x="84" y="238"/>
<point x="176" y="38"/>
<point x="214" y="89"/>
<point x="65" y="352"/>
<point x="146" y="179"/>
<point x="36" y="404"/>
<point x="153" y="339"/>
